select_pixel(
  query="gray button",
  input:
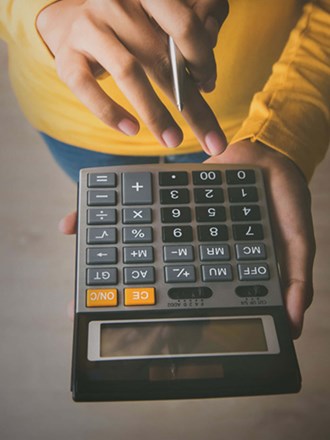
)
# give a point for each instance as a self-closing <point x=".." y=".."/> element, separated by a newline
<point x="105" y="216"/>
<point x="104" y="277"/>
<point x="101" y="197"/>
<point x="101" y="235"/>
<point x="136" y="215"/>
<point x="137" y="235"/>
<point x="180" y="274"/>
<point x="106" y="255"/>
<point x="143" y="254"/>
<point x="137" y="188"/>
<point x="251" y="251"/>
<point x="175" y="253"/>
<point x="218" y="272"/>
<point x="248" y="272"/>
<point x="214" y="252"/>
<point x="139" y="275"/>
<point x="99" y="180"/>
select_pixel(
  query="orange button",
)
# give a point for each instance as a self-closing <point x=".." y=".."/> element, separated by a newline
<point x="140" y="296"/>
<point x="102" y="298"/>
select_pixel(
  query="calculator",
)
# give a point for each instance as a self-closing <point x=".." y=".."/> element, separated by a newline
<point x="178" y="293"/>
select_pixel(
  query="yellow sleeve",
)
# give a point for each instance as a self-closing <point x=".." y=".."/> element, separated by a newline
<point x="292" y="113"/>
<point x="17" y="26"/>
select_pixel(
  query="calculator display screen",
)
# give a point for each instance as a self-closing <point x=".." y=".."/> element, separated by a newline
<point x="182" y="338"/>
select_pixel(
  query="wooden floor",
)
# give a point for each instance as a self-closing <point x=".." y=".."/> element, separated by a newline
<point x="36" y="284"/>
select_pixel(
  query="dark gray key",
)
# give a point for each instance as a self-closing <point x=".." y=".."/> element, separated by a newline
<point x="214" y="252"/>
<point x="251" y="272"/>
<point x="101" y="197"/>
<point x="218" y="272"/>
<point x="101" y="235"/>
<point x="175" y="253"/>
<point x="137" y="215"/>
<point x="250" y="251"/>
<point x="102" y="276"/>
<point x="106" y="255"/>
<point x="180" y="274"/>
<point x="137" y="188"/>
<point x="139" y="275"/>
<point x="104" y="216"/>
<point x="137" y="234"/>
<point x="141" y="254"/>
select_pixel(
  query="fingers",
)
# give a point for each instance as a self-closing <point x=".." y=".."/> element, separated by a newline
<point x="181" y="22"/>
<point x="131" y="78"/>
<point x="212" y="13"/>
<point x="68" y="224"/>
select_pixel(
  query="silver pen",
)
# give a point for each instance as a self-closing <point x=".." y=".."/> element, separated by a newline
<point x="178" y="72"/>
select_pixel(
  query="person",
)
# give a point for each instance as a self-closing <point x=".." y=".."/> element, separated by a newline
<point x="94" y="78"/>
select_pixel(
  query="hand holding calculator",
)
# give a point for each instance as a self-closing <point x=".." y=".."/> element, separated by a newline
<point x="177" y="290"/>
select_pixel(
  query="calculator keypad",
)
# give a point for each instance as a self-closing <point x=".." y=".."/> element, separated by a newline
<point x="174" y="236"/>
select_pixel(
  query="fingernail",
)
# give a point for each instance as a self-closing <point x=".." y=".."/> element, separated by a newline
<point x="129" y="127"/>
<point x="215" y="143"/>
<point x="212" y="27"/>
<point x="172" y="137"/>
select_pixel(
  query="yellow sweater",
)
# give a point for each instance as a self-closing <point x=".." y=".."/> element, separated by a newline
<point x="273" y="82"/>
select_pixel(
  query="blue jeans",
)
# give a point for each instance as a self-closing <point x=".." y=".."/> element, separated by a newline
<point x="71" y="159"/>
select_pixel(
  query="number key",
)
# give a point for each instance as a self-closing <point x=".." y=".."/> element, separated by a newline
<point x="174" y="196"/>
<point x="176" y="215"/>
<point x="172" y="234"/>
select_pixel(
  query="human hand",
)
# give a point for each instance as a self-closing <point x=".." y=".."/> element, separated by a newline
<point x="129" y="41"/>
<point x="290" y="209"/>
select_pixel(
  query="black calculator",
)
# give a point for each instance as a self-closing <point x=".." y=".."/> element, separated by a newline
<point x="178" y="292"/>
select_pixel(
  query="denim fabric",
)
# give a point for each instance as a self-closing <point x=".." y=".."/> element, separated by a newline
<point x="71" y="159"/>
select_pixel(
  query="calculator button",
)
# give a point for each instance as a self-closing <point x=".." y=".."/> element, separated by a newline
<point x="210" y="213"/>
<point x="102" y="276"/>
<point x="190" y="292"/>
<point x="174" y="253"/>
<point x="101" y="298"/>
<point x="137" y="235"/>
<point x="101" y="235"/>
<point x="139" y="296"/>
<point x="251" y="291"/>
<point x="208" y="195"/>
<point x="207" y="177"/>
<point x="241" y="213"/>
<point x="235" y="177"/>
<point x="106" y="255"/>
<point x="135" y="254"/>
<point x="172" y="234"/>
<point x="174" y="196"/>
<point x="176" y="215"/>
<point x="99" y="180"/>
<point x="137" y="215"/>
<point x="248" y="232"/>
<point x="139" y="275"/>
<point x="180" y="274"/>
<point x="106" y="216"/>
<point x="219" y="272"/>
<point x="250" y="272"/>
<point x="251" y="251"/>
<point x="243" y="194"/>
<point x="175" y="178"/>
<point x="214" y="252"/>
<point x="101" y="197"/>
<point x="136" y="188"/>
<point x="212" y="233"/>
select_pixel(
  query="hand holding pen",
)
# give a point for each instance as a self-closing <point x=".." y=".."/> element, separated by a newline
<point x="118" y="37"/>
